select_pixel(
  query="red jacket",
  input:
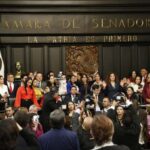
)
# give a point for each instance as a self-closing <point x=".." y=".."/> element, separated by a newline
<point x="21" y="94"/>
<point x="146" y="91"/>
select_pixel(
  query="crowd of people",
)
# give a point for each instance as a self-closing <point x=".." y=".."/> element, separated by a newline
<point x="77" y="111"/>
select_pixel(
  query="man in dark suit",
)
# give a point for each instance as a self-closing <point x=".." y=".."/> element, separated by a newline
<point x="12" y="88"/>
<point x="58" y="138"/>
<point x="39" y="77"/>
<point x="73" y="96"/>
<point x="97" y="95"/>
<point x="50" y="103"/>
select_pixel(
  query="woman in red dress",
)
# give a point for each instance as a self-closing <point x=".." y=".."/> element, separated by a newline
<point x="26" y="95"/>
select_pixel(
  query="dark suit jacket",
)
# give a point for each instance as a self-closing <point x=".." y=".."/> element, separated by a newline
<point x="49" y="105"/>
<point x="90" y="99"/>
<point x="128" y="134"/>
<point x="27" y="141"/>
<point x="13" y="94"/>
<point x="111" y="91"/>
<point x="69" y="99"/>
<point x="59" y="139"/>
<point x="85" y="139"/>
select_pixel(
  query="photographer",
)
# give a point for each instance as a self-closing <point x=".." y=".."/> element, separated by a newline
<point x="94" y="101"/>
<point x="35" y="125"/>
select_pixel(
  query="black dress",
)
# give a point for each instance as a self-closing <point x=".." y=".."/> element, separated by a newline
<point x="49" y="105"/>
<point x="128" y="133"/>
<point x="85" y="139"/>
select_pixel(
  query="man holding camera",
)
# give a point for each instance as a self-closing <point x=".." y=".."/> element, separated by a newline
<point x="95" y="99"/>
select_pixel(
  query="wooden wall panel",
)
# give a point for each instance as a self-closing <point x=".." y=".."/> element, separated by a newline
<point x="143" y="54"/>
<point x="36" y="59"/>
<point x="108" y="55"/>
<point x="134" y="58"/>
<point x="118" y="58"/>
<point x="125" y="60"/>
<point x="8" y="60"/>
<point x="54" y="59"/>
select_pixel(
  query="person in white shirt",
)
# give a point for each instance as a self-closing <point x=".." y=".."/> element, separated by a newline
<point x="3" y="94"/>
<point x="62" y="86"/>
<point x="3" y="88"/>
<point x="144" y="74"/>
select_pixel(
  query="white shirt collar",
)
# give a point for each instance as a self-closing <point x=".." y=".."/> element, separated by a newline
<point x="103" y="145"/>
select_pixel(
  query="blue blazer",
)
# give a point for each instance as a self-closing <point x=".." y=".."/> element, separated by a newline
<point x="59" y="139"/>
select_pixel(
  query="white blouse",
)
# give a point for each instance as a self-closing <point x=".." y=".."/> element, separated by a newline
<point x="4" y="90"/>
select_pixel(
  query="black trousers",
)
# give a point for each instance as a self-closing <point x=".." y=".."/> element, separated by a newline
<point x="26" y="103"/>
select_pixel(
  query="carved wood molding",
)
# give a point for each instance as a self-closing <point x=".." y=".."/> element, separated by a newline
<point x="83" y="59"/>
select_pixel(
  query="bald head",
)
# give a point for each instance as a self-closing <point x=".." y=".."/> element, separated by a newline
<point x="87" y="123"/>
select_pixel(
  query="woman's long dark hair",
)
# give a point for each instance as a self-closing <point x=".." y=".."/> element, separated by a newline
<point x="108" y="78"/>
<point x="8" y="134"/>
<point x="25" y="84"/>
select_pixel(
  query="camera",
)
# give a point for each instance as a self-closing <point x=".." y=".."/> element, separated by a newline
<point x="119" y="97"/>
<point x="89" y="102"/>
<point x="88" y="98"/>
<point x="36" y="118"/>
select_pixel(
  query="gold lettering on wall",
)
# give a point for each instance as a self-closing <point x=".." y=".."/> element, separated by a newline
<point x="32" y="39"/>
<point x="74" y="39"/>
<point x="37" y="24"/>
<point x="104" y="23"/>
<point x="113" y="23"/>
<point x="6" y="24"/>
<point x="63" y="24"/>
<point x="47" y="24"/>
<point x="75" y="24"/>
<point x="148" y="22"/>
<point x="122" y="24"/>
<point x="83" y="39"/>
<point x="70" y="24"/>
<point x="90" y="38"/>
<point x="95" y="23"/>
<point x="139" y="23"/>
<point x="120" y="38"/>
<point x="130" y="23"/>
<point x="29" y="24"/>
<point x="127" y="23"/>
<point x="16" y="24"/>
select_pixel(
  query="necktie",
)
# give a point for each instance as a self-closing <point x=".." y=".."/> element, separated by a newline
<point x="73" y="98"/>
<point x="96" y="97"/>
<point x="10" y="88"/>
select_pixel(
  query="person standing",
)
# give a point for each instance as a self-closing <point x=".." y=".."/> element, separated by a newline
<point x="102" y="130"/>
<point x="146" y="90"/>
<point x="25" y="95"/>
<point x="58" y="138"/>
<point x="12" y="88"/>
<point x="3" y="95"/>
